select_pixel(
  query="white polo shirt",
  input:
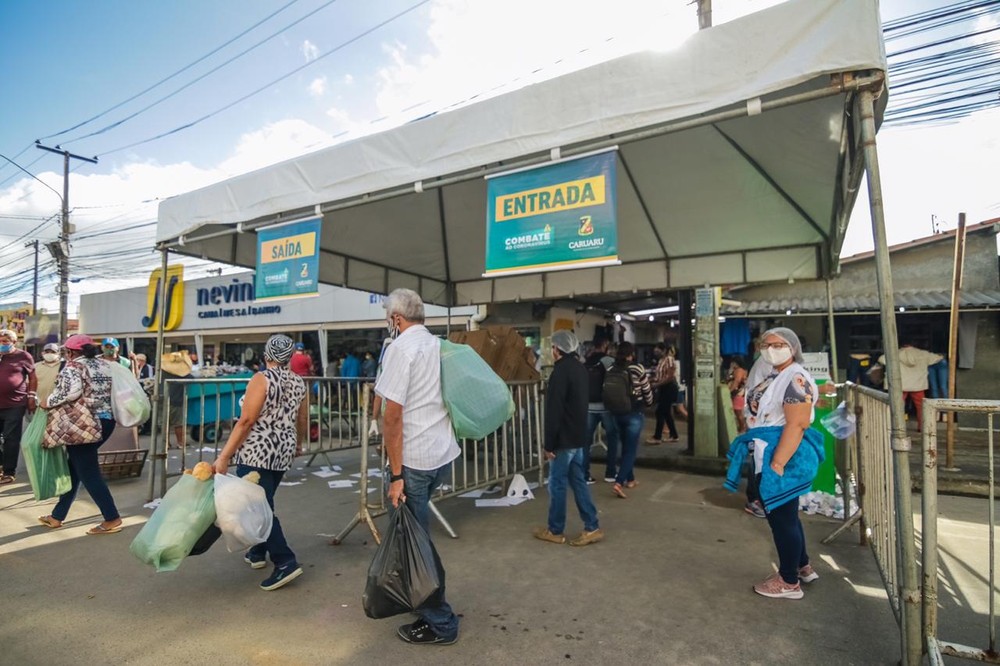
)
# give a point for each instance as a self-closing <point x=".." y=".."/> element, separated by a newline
<point x="411" y="376"/>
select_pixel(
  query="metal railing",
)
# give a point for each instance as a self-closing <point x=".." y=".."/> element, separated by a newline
<point x="516" y="448"/>
<point x="877" y="495"/>
<point x="936" y="647"/>
<point x="207" y="409"/>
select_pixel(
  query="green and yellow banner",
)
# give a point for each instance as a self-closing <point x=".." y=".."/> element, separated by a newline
<point x="554" y="217"/>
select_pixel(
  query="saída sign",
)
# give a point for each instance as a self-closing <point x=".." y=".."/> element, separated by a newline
<point x="288" y="260"/>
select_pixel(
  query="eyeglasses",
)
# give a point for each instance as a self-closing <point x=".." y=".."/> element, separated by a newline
<point x="774" y="345"/>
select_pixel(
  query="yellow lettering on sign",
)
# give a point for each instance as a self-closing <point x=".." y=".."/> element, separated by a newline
<point x="551" y="199"/>
<point x="290" y="247"/>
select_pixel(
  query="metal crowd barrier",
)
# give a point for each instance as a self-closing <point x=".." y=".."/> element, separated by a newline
<point x="516" y="448"/>
<point x="211" y="406"/>
<point x="935" y="646"/>
<point x="876" y="486"/>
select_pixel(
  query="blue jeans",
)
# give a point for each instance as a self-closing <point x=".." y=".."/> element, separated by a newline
<point x="629" y="429"/>
<point x="611" y="438"/>
<point x="789" y="540"/>
<point x="419" y="485"/>
<point x="567" y="467"/>
<point x="11" y="420"/>
<point x="937" y="377"/>
<point x="85" y="468"/>
<point x="276" y="546"/>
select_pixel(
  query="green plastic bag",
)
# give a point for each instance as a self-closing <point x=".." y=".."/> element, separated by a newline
<point x="477" y="400"/>
<point x="186" y="511"/>
<point x="48" y="470"/>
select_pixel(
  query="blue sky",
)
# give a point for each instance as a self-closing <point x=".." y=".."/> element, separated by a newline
<point x="65" y="61"/>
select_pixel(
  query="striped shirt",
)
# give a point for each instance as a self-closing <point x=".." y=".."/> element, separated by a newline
<point x="411" y="377"/>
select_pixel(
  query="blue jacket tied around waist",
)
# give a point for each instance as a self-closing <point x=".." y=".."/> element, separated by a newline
<point x="800" y="470"/>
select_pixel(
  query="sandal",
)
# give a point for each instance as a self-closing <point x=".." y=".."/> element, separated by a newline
<point x="101" y="529"/>
<point x="632" y="484"/>
<point x="50" y="522"/>
<point x="617" y="490"/>
<point x="653" y="441"/>
<point x="6" y="478"/>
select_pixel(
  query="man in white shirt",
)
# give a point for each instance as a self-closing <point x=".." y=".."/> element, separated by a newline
<point x="913" y="364"/>
<point x="418" y="437"/>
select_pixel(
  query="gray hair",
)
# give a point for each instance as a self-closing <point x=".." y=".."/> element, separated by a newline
<point x="406" y="303"/>
<point x="565" y="341"/>
<point x="789" y="336"/>
<point x="8" y="333"/>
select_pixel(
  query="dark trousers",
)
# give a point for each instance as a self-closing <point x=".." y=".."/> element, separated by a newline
<point x="419" y="485"/>
<point x="753" y="482"/>
<point x="11" y="423"/>
<point x="665" y="410"/>
<point x="789" y="540"/>
<point x="85" y="468"/>
<point x="276" y="546"/>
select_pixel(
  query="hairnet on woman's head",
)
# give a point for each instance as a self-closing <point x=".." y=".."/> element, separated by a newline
<point x="789" y="336"/>
<point x="565" y="341"/>
<point x="279" y="349"/>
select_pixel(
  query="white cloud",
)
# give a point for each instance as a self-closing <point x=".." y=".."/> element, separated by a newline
<point x="348" y="79"/>
<point x="275" y="142"/>
<point x="309" y="50"/>
<point x="318" y="86"/>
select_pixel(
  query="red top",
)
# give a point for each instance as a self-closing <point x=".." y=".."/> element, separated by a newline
<point x="15" y="367"/>
<point x="301" y="364"/>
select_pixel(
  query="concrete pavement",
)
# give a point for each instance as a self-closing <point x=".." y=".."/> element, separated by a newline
<point x="669" y="585"/>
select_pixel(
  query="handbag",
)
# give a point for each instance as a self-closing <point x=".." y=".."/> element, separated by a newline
<point x="73" y="422"/>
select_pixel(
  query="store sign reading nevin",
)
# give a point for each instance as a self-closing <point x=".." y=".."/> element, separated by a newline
<point x="554" y="217"/>
<point x="288" y="260"/>
<point x="231" y="300"/>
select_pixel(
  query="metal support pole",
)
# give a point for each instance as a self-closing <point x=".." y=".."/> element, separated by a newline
<point x="704" y="14"/>
<point x="154" y="430"/>
<point x="910" y="644"/>
<point x="956" y="289"/>
<point x="34" y="290"/>
<point x="834" y="362"/>
<point x="929" y="515"/>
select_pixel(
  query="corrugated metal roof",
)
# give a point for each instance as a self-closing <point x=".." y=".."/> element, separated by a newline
<point x="915" y="299"/>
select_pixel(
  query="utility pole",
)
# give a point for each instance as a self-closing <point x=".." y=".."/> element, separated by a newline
<point x="34" y="291"/>
<point x="704" y="14"/>
<point x="61" y="253"/>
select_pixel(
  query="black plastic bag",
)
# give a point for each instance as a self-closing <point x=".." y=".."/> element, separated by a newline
<point x="406" y="572"/>
<point x="206" y="540"/>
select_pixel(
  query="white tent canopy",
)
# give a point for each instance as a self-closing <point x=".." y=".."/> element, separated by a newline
<point x="738" y="161"/>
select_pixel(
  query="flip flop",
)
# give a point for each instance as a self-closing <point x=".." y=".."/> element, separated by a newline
<point x="48" y="522"/>
<point x="6" y="478"/>
<point x="100" y="529"/>
<point x="617" y="490"/>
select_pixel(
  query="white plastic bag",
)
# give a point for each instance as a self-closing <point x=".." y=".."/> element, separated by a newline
<point x="241" y="512"/>
<point x="129" y="403"/>
<point x="840" y="423"/>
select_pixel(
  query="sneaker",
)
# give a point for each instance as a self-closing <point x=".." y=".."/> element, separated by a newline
<point x="255" y="561"/>
<point x="544" y="534"/>
<point x="807" y="574"/>
<point x="587" y="538"/>
<point x="420" y="633"/>
<point x="591" y="480"/>
<point x="609" y="479"/>
<point x="776" y="588"/>
<point x="653" y="441"/>
<point x="755" y="508"/>
<point x="281" y="577"/>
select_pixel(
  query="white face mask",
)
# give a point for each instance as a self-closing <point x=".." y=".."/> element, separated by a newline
<point x="390" y="326"/>
<point x="776" y="355"/>
<point x="50" y="357"/>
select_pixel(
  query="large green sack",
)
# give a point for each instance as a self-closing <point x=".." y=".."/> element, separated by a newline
<point x="48" y="470"/>
<point x="478" y="401"/>
<point x="185" y="512"/>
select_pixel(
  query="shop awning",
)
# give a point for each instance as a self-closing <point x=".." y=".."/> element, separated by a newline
<point x="738" y="162"/>
<point x="908" y="299"/>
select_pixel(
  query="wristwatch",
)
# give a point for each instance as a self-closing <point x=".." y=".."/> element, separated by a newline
<point x="393" y="478"/>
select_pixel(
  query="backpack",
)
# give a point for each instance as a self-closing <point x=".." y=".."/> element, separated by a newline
<point x="617" y="390"/>
<point x="595" y="378"/>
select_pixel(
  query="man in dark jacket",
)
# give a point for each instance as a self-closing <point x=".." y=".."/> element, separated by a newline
<point x="565" y="438"/>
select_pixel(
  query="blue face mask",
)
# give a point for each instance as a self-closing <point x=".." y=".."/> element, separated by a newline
<point x="6" y="349"/>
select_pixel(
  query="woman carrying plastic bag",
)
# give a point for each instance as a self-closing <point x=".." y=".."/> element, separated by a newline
<point x="48" y="470"/>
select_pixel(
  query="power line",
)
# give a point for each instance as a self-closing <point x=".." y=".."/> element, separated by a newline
<point x="259" y="90"/>
<point x="164" y="80"/>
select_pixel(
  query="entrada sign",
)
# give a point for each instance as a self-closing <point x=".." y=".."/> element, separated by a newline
<point x="558" y="216"/>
